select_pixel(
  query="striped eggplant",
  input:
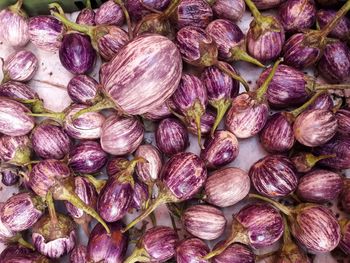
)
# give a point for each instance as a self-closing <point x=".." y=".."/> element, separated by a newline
<point x="196" y="13"/>
<point x="148" y="172"/>
<point x="87" y="15"/>
<point x="6" y="234"/>
<point x="207" y="122"/>
<point x="341" y="31"/>
<point x="15" y="150"/>
<point x="83" y="89"/>
<point x="323" y="102"/>
<point x="345" y="232"/>
<point x="267" y="4"/>
<point x="138" y="9"/>
<point x="343" y="117"/>
<point x="19" y="253"/>
<point x="78" y="254"/>
<point x="116" y="164"/>
<point x="141" y="195"/>
<point x="158" y="113"/>
<point x="191" y="250"/>
<point x="235" y="253"/>
<point x="109" y="13"/>
<point x="228" y="9"/>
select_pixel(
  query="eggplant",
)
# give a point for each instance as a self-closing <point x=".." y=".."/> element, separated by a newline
<point x="83" y="89"/>
<point x="15" y="150"/>
<point x="228" y="9"/>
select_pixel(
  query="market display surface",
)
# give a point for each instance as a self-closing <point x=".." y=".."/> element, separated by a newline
<point x="176" y="131"/>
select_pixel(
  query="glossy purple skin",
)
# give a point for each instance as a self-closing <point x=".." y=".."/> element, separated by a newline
<point x="343" y="117"/>
<point x="158" y="113"/>
<point x="49" y="141"/>
<point x="277" y="135"/>
<point x="115" y="165"/>
<point x="19" y="254"/>
<point x="267" y="4"/>
<point x="87" y="157"/>
<point x="86" y="17"/>
<point x="9" y="176"/>
<point x="160" y="243"/>
<point x="83" y="89"/>
<point x="140" y="196"/>
<point x="299" y="56"/>
<point x="334" y="65"/>
<point x="148" y="172"/>
<point x="77" y="54"/>
<point x="246" y="117"/>
<point x="45" y="174"/>
<point x="219" y="150"/>
<point x="339" y="145"/>
<point x="137" y="10"/>
<point x="345" y="240"/>
<point x="315" y="127"/>
<point x="323" y="102"/>
<point x="87" y="126"/>
<point x="171" y="136"/>
<point x="207" y="122"/>
<point x="204" y="221"/>
<point x="320" y="186"/>
<point x="184" y="175"/>
<point x="107" y="248"/>
<point x="227" y="186"/>
<point x="263" y="223"/>
<point x="297" y="15"/>
<point x="342" y="29"/>
<point x="14" y="250"/>
<point x="121" y="135"/>
<point x="20" y="66"/>
<point x="287" y="88"/>
<point x="17" y="91"/>
<point x="229" y="9"/>
<point x="191" y="251"/>
<point x="109" y="13"/>
<point x="316" y="228"/>
<point x="14" y="120"/>
<point x="196" y="13"/>
<point x="78" y="254"/>
<point x="15" y="150"/>
<point x="46" y="32"/>
<point x="235" y="253"/>
<point x="111" y="43"/>
<point x="274" y="176"/>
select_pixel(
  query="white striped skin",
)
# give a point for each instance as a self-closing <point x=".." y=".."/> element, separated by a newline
<point x="235" y="253"/>
<point x="196" y="13"/>
<point x="20" y="66"/>
<point x="229" y="9"/>
<point x="143" y="75"/>
<point x="204" y="221"/>
<point x="110" y="44"/>
<point x="78" y="254"/>
<point x="345" y="240"/>
<point x="343" y="117"/>
<point x="191" y="251"/>
<point x="148" y="172"/>
<point x="109" y="13"/>
<point x="83" y="89"/>
<point x="10" y="146"/>
<point x="5" y="233"/>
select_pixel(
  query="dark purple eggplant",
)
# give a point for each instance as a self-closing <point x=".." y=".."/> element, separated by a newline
<point x="304" y="161"/>
<point x="83" y="89"/>
<point x="267" y="4"/>
<point x="20" y="254"/>
<point x="181" y="179"/>
<point x="341" y="30"/>
<point x="196" y="13"/>
<point x="115" y="165"/>
<point x="171" y="136"/>
<point x="148" y="172"/>
<point x="343" y="117"/>
<point x="109" y="13"/>
<point x="345" y="196"/>
<point x="9" y="175"/>
<point x="158" y="244"/>
<point x="345" y="232"/>
<point x="140" y="8"/>
<point x="235" y="253"/>
<point x="87" y="15"/>
<point x="228" y="9"/>
<point x="15" y="150"/>
<point x="78" y="254"/>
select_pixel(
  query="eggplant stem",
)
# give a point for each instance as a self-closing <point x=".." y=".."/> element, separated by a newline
<point x="58" y="8"/>
<point x="101" y="105"/>
<point x="53" y="115"/>
<point x="87" y="4"/>
<point x="286" y="234"/>
<point x="51" y="207"/>
<point x="253" y="9"/>
<point x="16" y="7"/>
<point x="284" y="209"/>
<point x="127" y="17"/>
<point x="25" y="243"/>
<point x="171" y="8"/>
<point x="239" y="54"/>
<point x="98" y="184"/>
<point x="195" y="114"/>
<point x="295" y="113"/>
<point x="334" y="86"/>
<point x="138" y="255"/>
<point x="312" y="159"/>
<point x="221" y="107"/>
<point x="232" y="75"/>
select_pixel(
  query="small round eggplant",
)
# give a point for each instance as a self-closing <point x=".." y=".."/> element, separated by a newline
<point x="148" y="172"/>
<point x="158" y="244"/>
<point x="226" y="187"/>
<point x="191" y="250"/>
<point x="49" y="141"/>
<point x="171" y="136"/>
<point x="109" y="13"/>
<point x="15" y="150"/>
<point x="9" y="175"/>
<point x="204" y="221"/>
<point x="87" y="157"/>
<point x="121" y="135"/>
<point x="107" y="247"/>
<point x="115" y="165"/>
<point x="78" y="254"/>
<point x="267" y="4"/>
<point x="196" y="13"/>
<point x="345" y="196"/>
<point x="86" y="16"/>
<point x="84" y="90"/>
<point x="304" y="161"/>
<point x="342" y="29"/>
<point x="219" y="150"/>
<point x="228" y="9"/>
<point x="345" y="232"/>
<point x="138" y="9"/>
<point x="343" y="117"/>
<point x="274" y="176"/>
<point x="320" y="186"/>
<point x="235" y="253"/>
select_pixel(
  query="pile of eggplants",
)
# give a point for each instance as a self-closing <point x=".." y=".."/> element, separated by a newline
<point x="171" y="73"/>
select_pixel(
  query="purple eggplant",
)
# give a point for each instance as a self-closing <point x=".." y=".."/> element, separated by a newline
<point x="191" y="250"/>
<point x="9" y="175"/>
<point x="121" y="135"/>
<point x="14" y="31"/>
<point x="226" y="187"/>
<point x="345" y="232"/>
<point x="235" y="253"/>
<point x="297" y="15"/>
<point x="193" y="13"/>
<point x="6" y="234"/>
<point x="158" y="113"/>
<point x="228" y="9"/>
<point x="323" y="102"/>
<point x="158" y="244"/>
<point x="304" y="161"/>
<point x="341" y="30"/>
<point x="343" y="117"/>
<point x="320" y="186"/>
<point x="148" y="172"/>
<point x="140" y="196"/>
<point x="139" y="9"/>
<point x="345" y="196"/>
<point x="87" y="15"/>
<point x="109" y="13"/>
<point x="204" y="221"/>
<point x="267" y="4"/>
<point x="15" y="150"/>
<point x="78" y="254"/>
<point x="115" y="165"/>
<point x="207" y="121"/>
<point x="20" y="254"/>
<point x="83" y="89"/>
<point x="181" y="178"/>
<point x="87" y="157"/>
<point x="20" y="66"/>
<point x="107" y="247"/>
<point x="49" y="141"/>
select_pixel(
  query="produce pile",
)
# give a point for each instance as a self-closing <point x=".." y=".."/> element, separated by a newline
<point x="171" y="62"/>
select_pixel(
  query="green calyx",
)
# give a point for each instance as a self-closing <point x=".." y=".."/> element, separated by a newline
<point x="194" y="114"/>
<point x="22" y="156"/>
<point x="239" y="54"/>
<point x="221" y="107"/>
<point x="295" y="113"/>
<point x="138" y="255"/>
<point x="99" y="106"/>
<point x="17" y="8"/>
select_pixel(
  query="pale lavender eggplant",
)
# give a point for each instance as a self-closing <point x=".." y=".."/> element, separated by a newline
<point x="115" y="165"/>
<point x="267" y="4"/>
<point x="15" y="150"/>
<point x="78" y="254"/>
<point x="226" y="187"/>
<point x="343" y="117"/>
<point x="334" y="65"/>
<point x="86" y="127"/>
<point x="341" y="30"/>
<point x="191" y="250"/>
<point x="51" y="240"/>
<point x="207" y="122"/>
<point x="6" y="234"/>
<point x="158" y="113"/>
<point x="14" y="31"/>
<point x="323" y="102"/>
<point x="229" y="9"/>
<point x="277" y="135"/>
<point x="77" y="54"/>
<point x="107" y="248"/>
<point x="20" y="66"/>
<point x="219" y="150"/>
<point x="204" y="221"/>
<point x="86" y="17"/>
<point x="137" y="10"/>
<point x="148" y="172"/>
<point x="46" y="32"/>
<point x="21" y="211"/>
<point x="345" y="239"/>
<point x="315" y="127"/>
<point x="193" y="13"/>
<point x="49" y="141"/>
<point x="109" y="13"/>
<point x="121" y="135"/>
<point x="140" y="195"/>
<point x="235" y="253"/>
<point x="171" y="136"/>
<point x="83" y="89"/>
<point x="111" y="43"/>
<point x="320" y="186"/>
<point x="87" y="157"/>
<point x="274" y="176"/>
<point x="297" y="15"/>
<point x="9" y="175"/>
